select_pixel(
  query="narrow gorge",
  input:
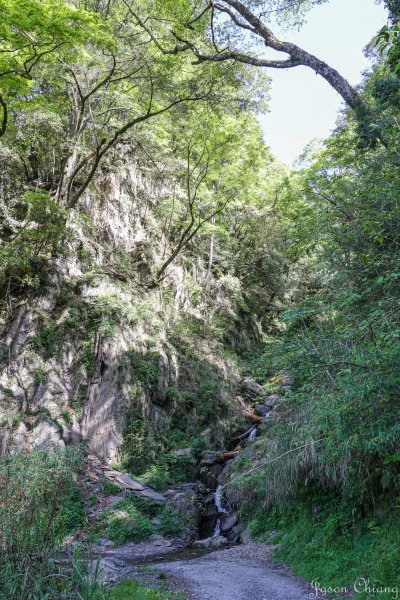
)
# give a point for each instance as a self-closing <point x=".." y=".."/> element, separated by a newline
<point x="199" y="343"/>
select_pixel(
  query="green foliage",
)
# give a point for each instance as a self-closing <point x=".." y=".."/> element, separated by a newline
<point x="197" y="446"/>
<point x="109" y="489"/>
<point x="170" y="522"/>
<point x="146" y="369"/>
<point x="327" y="538"/>
<point x="124" y="523"/>
<point x="133" y="590"/>
<point x="33" y="231"/>
<point x="39" y="505"/>
<point x="167" y="470"/>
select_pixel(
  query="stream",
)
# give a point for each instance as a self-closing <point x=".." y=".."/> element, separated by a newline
<point x="221" y="563"/>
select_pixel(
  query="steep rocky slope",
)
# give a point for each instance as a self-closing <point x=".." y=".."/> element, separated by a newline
<point x="103" y="342"/>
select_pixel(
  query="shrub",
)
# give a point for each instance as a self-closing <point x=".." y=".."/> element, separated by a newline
<point x="126" y="524"/>
<point x="39" y="505"/>
<point x="109" y="489"/>
<point x="170" y="522"/>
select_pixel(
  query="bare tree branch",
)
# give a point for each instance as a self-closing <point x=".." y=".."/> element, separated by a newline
<point x="245" y="19"/>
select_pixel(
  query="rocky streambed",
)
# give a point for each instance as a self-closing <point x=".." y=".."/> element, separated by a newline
<point x="213" y="558"/>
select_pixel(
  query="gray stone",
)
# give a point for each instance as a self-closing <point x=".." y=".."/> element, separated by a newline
<point x="261" y="410"/>
<point x="186" y="504"/>
<point x="272" y="417"/>
<point x="272" y="400"/>
<point x="234" y="535"/>
<point x="210" y="476"/>
<point x="130" y="484"/>
<point x="209" y="458"/>
<point x="228" y="522"/>
<point x="46" y="436"/>
<point x="245" y="535"/>
<point x="251" y="389"/>
<point x="210" y="510"/>
<point x="150" y="494"/>
<point x="211" y="543"/>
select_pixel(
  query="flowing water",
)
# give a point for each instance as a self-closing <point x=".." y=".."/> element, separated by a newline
<point x="220" y="501"/>
<point x="253" y="434"/>
<point x="217" y="528"/>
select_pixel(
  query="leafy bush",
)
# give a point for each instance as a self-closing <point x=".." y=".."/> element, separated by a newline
<point x="109" y="489"/>
<point x="124" y="523"/>
<point x="327" y="538"/>
<point x="170" y="522"/>
<point x="35" y="489"/>
<point x="39" y="231"/>
<point x="39" y="505"/>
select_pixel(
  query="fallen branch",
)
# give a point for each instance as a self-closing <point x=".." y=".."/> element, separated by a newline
<point x="250" y="415"/>
<point x="229" y="455"/>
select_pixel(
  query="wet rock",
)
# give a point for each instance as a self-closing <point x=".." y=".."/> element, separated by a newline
<point x="129" y="483"/>
<point x="211" y="543"/>
<point x="209" y="458"/>
<point x="210" y="510"/>
<point x="185" y="503"/>
<point x="210" y="477"/>
<point x="251" y="389"/>
<point x="261" y="410"/>
<point x="272" y="417"/>
<point x="272" y="400"/>
<point x="228" y="522"/>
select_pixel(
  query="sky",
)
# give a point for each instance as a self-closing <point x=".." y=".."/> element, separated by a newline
<point x="303" y="106"/>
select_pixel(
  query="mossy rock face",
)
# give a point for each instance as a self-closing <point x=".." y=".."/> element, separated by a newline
<point x="152" y="371"/>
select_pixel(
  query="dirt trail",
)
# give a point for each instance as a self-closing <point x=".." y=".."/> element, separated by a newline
<point x="239" y="573"/>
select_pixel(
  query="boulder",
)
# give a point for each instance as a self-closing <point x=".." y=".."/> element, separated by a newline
<point x="129" y="483"/>
<point x="211" y="543"/>
<point x="228" y="522"/>
<point x="210" y="477"/>
<point x="251" y="389"/>
<point x="234" y="534"/>
<point x="272" y="417"/>
<point x="46" y="436"/>
<point x="185" y="503"/>
<point x="261" y="410"/>
<point x="209" y="458"/>
<point x="150" y="494"/>
<point x="272" y="400"/>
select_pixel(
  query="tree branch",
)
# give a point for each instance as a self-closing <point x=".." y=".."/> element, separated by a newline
<point x="4" y="118"/>
<point x="105" y="146"/>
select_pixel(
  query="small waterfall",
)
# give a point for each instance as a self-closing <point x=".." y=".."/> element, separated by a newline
<point x="219" y="501"/>
<point x="253" y="434"/>
<point x="217" y="528"/>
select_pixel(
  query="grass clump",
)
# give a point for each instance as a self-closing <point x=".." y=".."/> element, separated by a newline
<point x="325" y="539"/>
<point x="126" y="524"/>
<point x="133" y="590"/>
<point x="40" y="504"/>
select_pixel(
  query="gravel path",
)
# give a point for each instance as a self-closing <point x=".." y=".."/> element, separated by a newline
<point x="239" y="573"/>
